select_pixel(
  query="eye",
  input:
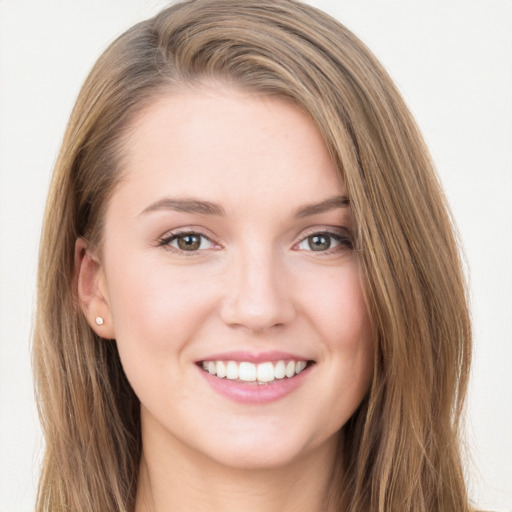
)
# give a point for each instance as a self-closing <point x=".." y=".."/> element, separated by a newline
<point x="188" y="242"/>
<point x="323" y="241"/>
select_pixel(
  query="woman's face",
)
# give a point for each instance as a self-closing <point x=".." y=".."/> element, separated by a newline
<point x="227" y="258"/>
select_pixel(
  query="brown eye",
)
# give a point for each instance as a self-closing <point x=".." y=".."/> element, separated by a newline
<point x="189" y="242"/>
<point x="319" y="242"/>
<point x="325" y="241"/>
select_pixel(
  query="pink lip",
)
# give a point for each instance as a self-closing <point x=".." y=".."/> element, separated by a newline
<point x="254" y="357"/>
<point x="251" y="392"/>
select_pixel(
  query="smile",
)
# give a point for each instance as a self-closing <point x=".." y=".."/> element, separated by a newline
<point x="262" y="373"/>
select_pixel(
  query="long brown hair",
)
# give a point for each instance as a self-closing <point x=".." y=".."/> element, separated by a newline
<point x="401" y="448"/>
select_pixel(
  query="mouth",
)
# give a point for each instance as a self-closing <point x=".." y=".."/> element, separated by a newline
<point x="263" y="373"/>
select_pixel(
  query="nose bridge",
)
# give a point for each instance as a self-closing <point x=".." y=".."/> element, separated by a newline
<point x="256" y="295"/>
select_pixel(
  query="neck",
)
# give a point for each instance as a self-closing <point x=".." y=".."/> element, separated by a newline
<point x="180" y="480"/>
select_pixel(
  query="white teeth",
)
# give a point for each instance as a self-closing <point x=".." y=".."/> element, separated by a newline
<point x="280" y="370"/>
<point x="265" y="372"/>
<point x="212" y="367"/>
<point x="232" y="370"/>
<point x="250" y="372"/>
<point x="221" y="369"/>
<point x="290" y="369"/>
<point x="300" y="365"/>
<point x="247" y="372"/>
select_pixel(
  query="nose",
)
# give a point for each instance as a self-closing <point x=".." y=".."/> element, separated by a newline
<point x="257" y="295"/>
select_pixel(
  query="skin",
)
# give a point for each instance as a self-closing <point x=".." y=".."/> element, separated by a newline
<point x="256" y="284"/>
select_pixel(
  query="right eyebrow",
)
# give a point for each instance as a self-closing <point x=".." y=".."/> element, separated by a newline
<point x="330" y="203"/>
<point x="187" y="205"/>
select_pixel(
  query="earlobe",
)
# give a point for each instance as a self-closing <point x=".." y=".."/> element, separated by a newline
<point x="92" y="290"/>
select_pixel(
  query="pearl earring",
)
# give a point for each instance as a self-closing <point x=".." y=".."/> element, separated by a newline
<point x="99" y="320"/>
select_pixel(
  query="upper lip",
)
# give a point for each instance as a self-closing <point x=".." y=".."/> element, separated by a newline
<point x="254" y="357"/>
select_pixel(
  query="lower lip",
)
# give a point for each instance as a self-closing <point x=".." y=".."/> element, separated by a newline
<point x="253" y="393"/>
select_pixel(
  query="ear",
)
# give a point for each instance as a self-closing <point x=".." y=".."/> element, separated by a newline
<point x="92" y="290"/>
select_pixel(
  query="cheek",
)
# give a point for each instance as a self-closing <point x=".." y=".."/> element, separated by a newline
<point x="339" y="312"/>
<point x="156" y="307"/>
<point x="337" y="304"/>
<point x="156" y="311"/>
<point x="351" y="334"/>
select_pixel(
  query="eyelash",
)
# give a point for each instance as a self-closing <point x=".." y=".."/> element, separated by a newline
<point x="175" y="236"/>
<point x="344" y="242"/>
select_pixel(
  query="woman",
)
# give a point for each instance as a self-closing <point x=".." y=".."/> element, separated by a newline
<point x="250" y="296"/>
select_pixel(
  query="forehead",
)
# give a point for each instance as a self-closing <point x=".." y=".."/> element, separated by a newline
<point x="222" y="143"/>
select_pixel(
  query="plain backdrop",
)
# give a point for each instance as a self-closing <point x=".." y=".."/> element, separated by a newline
<point x="452" y="60"/>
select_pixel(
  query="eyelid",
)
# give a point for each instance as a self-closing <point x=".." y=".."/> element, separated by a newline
<point x="337" y="232"/>
<point x="165" y="240"/>
<point x="328" y="230"/>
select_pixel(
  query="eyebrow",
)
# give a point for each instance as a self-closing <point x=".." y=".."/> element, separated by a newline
<point x="324" y="206"/>
<point x="189" y="205"/>
<point x="186" y="205"/>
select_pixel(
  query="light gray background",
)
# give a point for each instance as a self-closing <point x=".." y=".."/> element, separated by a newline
<point x="452" y="60"/>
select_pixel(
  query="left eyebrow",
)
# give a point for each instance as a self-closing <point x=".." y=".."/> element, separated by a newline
<point x="328" y="204"/>
<point x="187" y="205"/>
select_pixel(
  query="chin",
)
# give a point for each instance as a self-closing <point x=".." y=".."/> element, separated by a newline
<point x="266" y="450"/>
